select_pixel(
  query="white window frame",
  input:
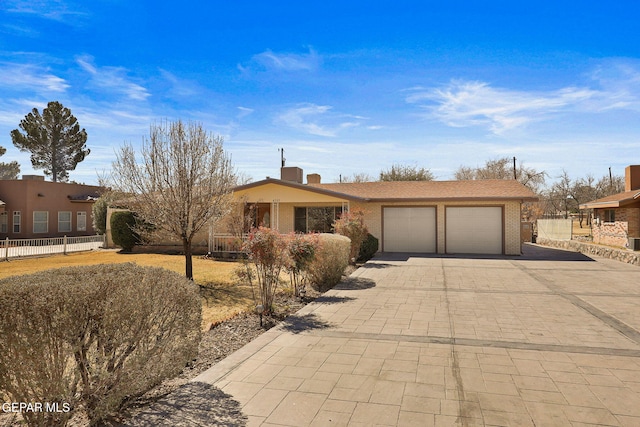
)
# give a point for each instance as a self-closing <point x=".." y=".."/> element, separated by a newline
<point x="16" y="223"/>
<point x="4" y="222"/>
<point x="40" y="222"/>
<point x="81" y="221"/>
<point x="69" y="227"/>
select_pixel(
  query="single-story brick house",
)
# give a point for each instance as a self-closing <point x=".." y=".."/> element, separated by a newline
<point x="33" y="208"/>
<point x="616" y="218"/>
<point x="444" y="217"/>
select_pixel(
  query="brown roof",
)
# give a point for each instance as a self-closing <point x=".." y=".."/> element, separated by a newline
<point x="614" y="201"/>
<point x="489" y="189"/>
<point x="434" y="190"/>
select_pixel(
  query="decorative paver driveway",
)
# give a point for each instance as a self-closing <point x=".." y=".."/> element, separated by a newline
<point x="550" y="338"/>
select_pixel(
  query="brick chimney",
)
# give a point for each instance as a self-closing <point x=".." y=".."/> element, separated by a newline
<point x="291" y="173"/>
<point x="313" y="178"/>
<point x="632" y="178"/>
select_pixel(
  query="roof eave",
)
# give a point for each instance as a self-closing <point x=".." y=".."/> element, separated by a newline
<point x="298" y="186"/>
<point x="454" y="199"/>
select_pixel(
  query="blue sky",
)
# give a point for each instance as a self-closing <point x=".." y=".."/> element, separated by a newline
<point x="343" y="87"/>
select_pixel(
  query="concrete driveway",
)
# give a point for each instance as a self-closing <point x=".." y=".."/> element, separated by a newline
<point x="549" y="338"/>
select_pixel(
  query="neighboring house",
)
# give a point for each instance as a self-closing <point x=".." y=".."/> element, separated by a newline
<point x="616" y="218"/>
<point x="35" y="208"/>
<point x="441" y="217"/>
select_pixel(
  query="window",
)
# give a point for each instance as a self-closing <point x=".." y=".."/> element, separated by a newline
<point x="81" y="221"/>
<point x="609" y="215"/>
<point x="4" y="222"/>
<point x="64" y="222"/>
<point x="16" y="221"/>
<point x="316" y="219"/>
<point x="40" y="221"/>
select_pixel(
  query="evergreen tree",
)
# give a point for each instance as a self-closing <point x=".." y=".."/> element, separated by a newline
<point x="8" y="170"/>
<point x="54" y="139"/>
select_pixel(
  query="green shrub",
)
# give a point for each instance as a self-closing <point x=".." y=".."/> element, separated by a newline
<point x="99" y="214"/>
<point x="123" y="230"/>
<point x="93" y="337"/>
<point x="368" y="248"/>
<point x="331" y="259"/>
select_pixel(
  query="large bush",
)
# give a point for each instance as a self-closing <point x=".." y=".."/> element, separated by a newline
<point x="99" y="214"/>
<point x="368" y="248"/>
<point x="302" y="250"/>
<point x="93" y="337"/>
<point x="351" y="224"/>
<point x="331" y="259"/>
<point x="123" y="230"/>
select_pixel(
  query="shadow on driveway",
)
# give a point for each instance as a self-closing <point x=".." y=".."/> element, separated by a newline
<point x="542" y="253"/>
<point x="296" y="324"/>
<point x="193" y="404"/>
<point x="530" y="252"/>
<point x="355" y="283"/>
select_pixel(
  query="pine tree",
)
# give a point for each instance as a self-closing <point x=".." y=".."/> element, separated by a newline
<point x="8" y="170"/>
<point x="54" y="139"/>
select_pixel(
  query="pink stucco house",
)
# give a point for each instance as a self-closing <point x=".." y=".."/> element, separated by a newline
<point x="32" y="207"/>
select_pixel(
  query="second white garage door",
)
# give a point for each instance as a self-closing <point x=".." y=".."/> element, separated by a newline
<point x="409" y="229"/>
<point x="474" y="230"/>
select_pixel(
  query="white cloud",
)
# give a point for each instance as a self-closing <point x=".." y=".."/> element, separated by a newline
<point x="298" y="118"/>
<point x="181" y="88"/>
<point x="473" y="103"/>
<point x="112" y="78"/>
<point x="29" y="77"/>
<point x="319" y="120"/>
<point x="55" y="10"/>
<point x="244" y="112"/>
<point x="269" y="60"/>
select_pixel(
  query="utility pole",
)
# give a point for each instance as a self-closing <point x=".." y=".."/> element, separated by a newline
<point x="610" y="180"/>
<point x="282" y="159"/>
<point x="515" y="176"/>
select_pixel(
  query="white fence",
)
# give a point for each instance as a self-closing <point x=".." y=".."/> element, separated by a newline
<point x="13" y="248"/>
<point x="226" y="243"/>
<point x="558" y="229"/>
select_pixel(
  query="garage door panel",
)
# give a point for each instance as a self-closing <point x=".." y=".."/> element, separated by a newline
<point x="474" y="230"/>
<point x="409" y="229"/>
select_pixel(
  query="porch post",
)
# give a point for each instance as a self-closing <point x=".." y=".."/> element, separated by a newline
<point x="275" y="214"/>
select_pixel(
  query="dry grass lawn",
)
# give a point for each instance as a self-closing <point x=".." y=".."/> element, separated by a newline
<point x="584" y="231"/>
<point x="222" y="297"/>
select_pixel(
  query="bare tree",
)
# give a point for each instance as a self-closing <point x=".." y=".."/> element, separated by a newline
<point x="502" y="168"/>
<point x="399" y="172"/>
<point x="357" y="177"/>
<point x="182" y="183"/>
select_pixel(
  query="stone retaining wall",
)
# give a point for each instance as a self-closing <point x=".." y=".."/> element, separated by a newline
<point x="630" y="257"/>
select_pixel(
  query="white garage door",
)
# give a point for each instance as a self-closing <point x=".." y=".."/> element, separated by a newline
<point x="409" y="229"/>
<point x="474" y="230"/>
